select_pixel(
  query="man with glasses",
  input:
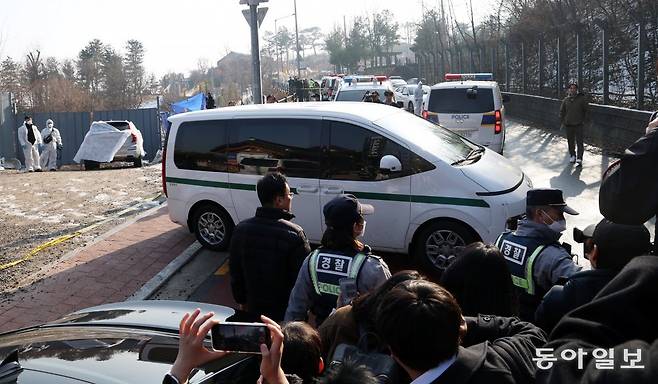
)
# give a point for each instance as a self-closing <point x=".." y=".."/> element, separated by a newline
<point x="267" y="251"/>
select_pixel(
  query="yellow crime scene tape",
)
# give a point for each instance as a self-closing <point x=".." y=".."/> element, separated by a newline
<point x="64" y="238"/>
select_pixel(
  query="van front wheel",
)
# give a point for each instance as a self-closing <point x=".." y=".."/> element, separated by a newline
<point x="212" y="227"/>
<point x="440" y="243"/>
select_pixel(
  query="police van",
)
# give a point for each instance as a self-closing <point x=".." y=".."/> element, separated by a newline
<point x="433" y="191"/>
<point x="471" y="105"/>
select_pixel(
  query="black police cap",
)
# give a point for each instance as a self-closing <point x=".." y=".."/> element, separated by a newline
<point x="548" y="197"/>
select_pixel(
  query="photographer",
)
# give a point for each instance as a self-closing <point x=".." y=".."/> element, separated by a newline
<point x="191" y="352"/>
<point x="608" y="247"/>
<point x="629" y="187"/>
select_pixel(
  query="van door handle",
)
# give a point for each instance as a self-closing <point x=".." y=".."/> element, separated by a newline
<point x="333" y="190"/>
<point x="307" y="189"/>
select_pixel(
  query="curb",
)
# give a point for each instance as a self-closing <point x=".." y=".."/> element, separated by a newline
<point x="153" y="285"/>
<point x="43" y="271"/>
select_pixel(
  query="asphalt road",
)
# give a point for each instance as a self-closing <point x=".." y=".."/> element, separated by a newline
<point x="541" y="154"/>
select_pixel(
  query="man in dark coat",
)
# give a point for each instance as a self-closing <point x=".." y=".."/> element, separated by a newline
<point x="619" y="325"/>
<point x="629" y="188"/>
<point x="267" y="251"/>
<point x="210" y="101"/>
<point x="611" y="247"/>
<point x="428" y="336"/>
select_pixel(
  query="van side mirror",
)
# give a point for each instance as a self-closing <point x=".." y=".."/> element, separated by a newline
<point x="399" y="104"/>
<point x="389" y="163"/>
<point x="506" y="98"/>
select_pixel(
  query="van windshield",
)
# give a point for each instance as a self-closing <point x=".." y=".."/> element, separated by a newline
<point x="444" y="144"/>
<point x="461" y="100"/>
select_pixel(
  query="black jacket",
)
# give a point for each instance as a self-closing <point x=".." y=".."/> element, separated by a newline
<point x="495" y="350"/>
<point x="579" y="289"/>
<point x="265" y="256"/>
<point x="629" y="188"/>
<point x="622" y="316"/>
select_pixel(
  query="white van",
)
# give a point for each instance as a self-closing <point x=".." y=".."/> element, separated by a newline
<point x="471" y="105"/>
<point x="433" y="191"/>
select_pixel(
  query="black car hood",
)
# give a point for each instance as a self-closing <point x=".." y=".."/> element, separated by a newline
<point x="128" y="342"/>
<point x="152" y="314"/>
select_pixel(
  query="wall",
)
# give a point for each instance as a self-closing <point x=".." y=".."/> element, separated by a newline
<point x="7" y="128"/>
<point x="611" y="128"/>
<point x="73" y="127"/>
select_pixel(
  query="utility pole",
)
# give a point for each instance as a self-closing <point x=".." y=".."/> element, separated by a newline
<point x="254" y="17"/>
<point x="299" y="68"/>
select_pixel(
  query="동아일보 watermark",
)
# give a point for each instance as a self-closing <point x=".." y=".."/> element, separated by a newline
<point x="603" y="358"/>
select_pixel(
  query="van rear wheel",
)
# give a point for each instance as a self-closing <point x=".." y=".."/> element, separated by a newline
<point x="439" y="244"/>
<point x="212" y="227"/>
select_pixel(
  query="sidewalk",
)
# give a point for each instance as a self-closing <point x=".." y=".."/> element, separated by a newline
<point x="108" y="270"/>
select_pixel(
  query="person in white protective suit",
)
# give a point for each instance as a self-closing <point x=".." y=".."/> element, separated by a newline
<point x="51" y="141"/>
<point x="418" y="99"/>
<point x="29" y="138"/>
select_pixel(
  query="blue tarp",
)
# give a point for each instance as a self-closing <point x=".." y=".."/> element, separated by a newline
<point x="194" y="103"/>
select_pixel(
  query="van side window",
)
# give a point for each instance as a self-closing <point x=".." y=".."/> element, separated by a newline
<point x="201" y="146"/>
<point x="289" y="146"/>
<point x="354" y="154"/>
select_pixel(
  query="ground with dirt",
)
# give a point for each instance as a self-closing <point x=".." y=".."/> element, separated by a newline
<point x="38" y="207"/>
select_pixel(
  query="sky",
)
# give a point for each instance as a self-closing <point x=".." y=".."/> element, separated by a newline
<point x="177" y="34"/>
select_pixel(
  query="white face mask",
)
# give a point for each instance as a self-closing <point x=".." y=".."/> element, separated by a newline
<point x="557" y="226"/>
<point x="50" y="125"/>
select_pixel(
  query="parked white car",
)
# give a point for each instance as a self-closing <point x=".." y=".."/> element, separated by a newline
<point x="470" y="105"/>
<point x="433" y="191"/>
<point x="405" y="94"/>
<point x="107" y="141"/>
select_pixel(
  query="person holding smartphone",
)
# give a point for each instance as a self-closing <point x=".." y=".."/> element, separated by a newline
<point x="192" y="353"/>
<point x="341" y="255"/>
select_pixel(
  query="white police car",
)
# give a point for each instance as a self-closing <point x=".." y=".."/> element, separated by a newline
<point x="432" y="190"/>
<point x="471" y="105"/>
<point x="354" y="88"/>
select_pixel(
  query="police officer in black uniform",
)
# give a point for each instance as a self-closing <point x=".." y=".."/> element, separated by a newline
<point x="534" y="256"/>
<point x="341" y="256"/>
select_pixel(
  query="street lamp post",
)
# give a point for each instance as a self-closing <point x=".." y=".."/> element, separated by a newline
<point x="253" y="18"/>
<point x="299" y="68"/>
<point x="276" y="36"/>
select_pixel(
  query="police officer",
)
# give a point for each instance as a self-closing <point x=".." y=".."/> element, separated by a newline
<point x="534" y="256"/>
<point x="341" y="255"/>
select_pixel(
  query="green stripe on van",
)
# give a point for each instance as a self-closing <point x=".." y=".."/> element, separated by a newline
<point x="421" y="199"/>
<point x="361" y="195"/>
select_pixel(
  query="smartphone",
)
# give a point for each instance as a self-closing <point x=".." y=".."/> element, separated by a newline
<point x="240" y="337"/>
<point x="347" y="291"/>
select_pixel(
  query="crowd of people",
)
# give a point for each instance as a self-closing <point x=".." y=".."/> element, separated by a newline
<point x="516" y="311"/>
<point x="304" y="89"/>
<point x="41" y="149"/>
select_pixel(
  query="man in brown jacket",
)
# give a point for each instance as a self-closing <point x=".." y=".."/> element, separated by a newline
<point x="573" y="114"/>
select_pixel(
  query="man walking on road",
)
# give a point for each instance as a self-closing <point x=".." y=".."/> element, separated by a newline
<point x="267" y="251"/>
<point x="574" y="112"/>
